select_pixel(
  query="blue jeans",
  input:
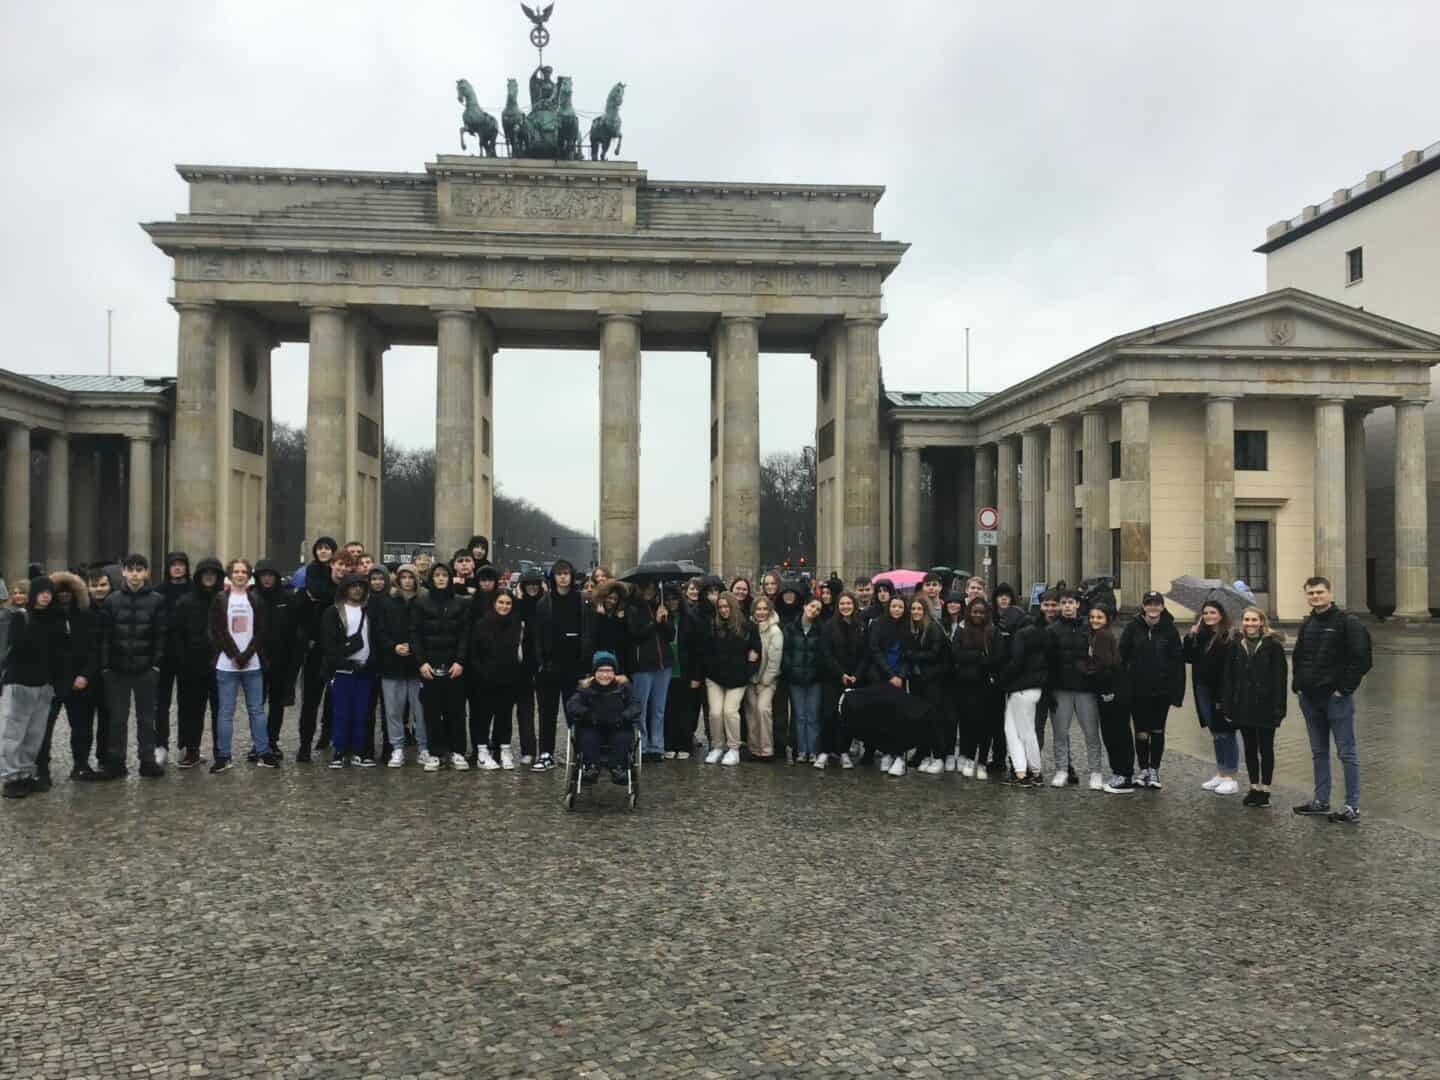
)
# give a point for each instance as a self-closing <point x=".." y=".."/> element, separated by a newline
<point x="651" y="690"/>
<point x="1333" y="714"/>
<point x="228" y="685"/>
<point x="805" y="714"/>
<point x="1227" y="746"/>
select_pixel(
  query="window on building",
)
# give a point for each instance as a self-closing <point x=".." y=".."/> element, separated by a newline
<point x="825" y="437"/>
<point x="1115" y="460"/>
<point x="1252" y="451"/>
<point x="1252" y="554"/>
<point x="247" y="433"/>
<point x="1115" y="555"/>
<point x="485" y="436"/>
<point x="367" y="435"/>
<point x="1354" y="265"/>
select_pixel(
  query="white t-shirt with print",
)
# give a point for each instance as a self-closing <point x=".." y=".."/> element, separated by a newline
<point x="240" y="621"/>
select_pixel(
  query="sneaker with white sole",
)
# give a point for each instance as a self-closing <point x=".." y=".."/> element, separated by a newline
<point x="397" y="759"/>
<point x="1097" y="782"/>
<point x="923" y="765"/>
<point x="1214" y="782"/>
<point x="544" y="763"/>
<point x="937" y="766"/>
<point x="897" y="766"/>
<point x="886" y="760"/>
<point x="160" y="754"/>
<point x="1227" y="786"/>
<point x="732" y="757"/>
<point x="1153" y="782"/>
<point x="1060" y="779"/>
<point x="846" y="762"/>
<point x="429" y="763"/>
<point x="980" y="772"/>
<point x="820" y="760"/>
<point x="951" y="762"/>
<point x="485" y="760"/>
<point x="668" y="755"/>
<point x="1120" y="785"/>
<point x="507" y="758"/>
<point x="714" y="756"/>
<point x="967" y="768"/>
<point x="527" y="759"/>
<point x="458" y="763"/>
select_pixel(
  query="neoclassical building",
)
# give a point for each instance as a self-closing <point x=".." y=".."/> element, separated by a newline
<point x="1229" y="443"/>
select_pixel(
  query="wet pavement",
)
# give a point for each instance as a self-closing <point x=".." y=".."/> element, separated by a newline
<point x="757" y="921"/>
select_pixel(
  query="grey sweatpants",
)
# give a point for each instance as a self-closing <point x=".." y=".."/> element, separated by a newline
<point x="1068" y="705"/>
<point x="24" y="711"/>
<point x="396" y="693"/>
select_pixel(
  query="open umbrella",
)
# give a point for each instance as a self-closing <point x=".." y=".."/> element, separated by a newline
<point x="902" y="579"/>
<point x="1191" y="592"/>
<point x="663" y="571"/>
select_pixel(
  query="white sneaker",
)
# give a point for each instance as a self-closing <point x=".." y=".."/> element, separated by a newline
<point x="485" y="760"/>
<point x="950" y="762"/>
<point x="1213" y="782"/>
<point x="897" y="766"/>
<point x="967" y="768"/>
<point x="936" y="766"/>
<point x="886" y="760"/>
<point x="1227" y="786"/>
<point x="732" y="757"/>
<point x="980" y="772"/>
<point x="924" y="764"/>
<point x="160" y="754"/>
<point x="507" y="758"/>
<point x="527" y="759"/>
<point x="1096" y="781"/>
<point x="430" y="764"/>
<point x="1060" y="779"/>
<point x="845" y="762"/>
<point x="458" y="763"/>
<point x="714" y="756"/>
<point x="820" y="760"/>
<point x="397" y="759"/>
<point x="669" y="755"/>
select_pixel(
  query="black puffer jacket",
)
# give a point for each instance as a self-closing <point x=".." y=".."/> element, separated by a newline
<point x="885" y="639"/>
<point x="1029" y="665"/>
<point x="282" y="618"/>
<point x="1253" y="684"/>
<point x="133" y="631"/>
<point x="37" y="641"/>
<point x="559" y="636"/>
<point x="1069" y="643"/>
<point x="609" y="633"/>
<point x="976" y="665"/>
<point x="394" y="616"/>
<point x="319" y="592"/>
<point x="1332" y="653"/>
<point x="843" y="650"/>
<point x="439" y="629"/>
<point x="694" y="628"/>
<point x="190" y="646"/>
<point x="649" y="636"/>
<point x="925" y="653"/>
<point x="1153" y="660"/>
<point x="497" y="651"/>
<point x="726" y="656"/>
<point x="80" y="625"/>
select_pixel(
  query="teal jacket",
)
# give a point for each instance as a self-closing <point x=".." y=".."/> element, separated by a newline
<point x="800" y="665"/>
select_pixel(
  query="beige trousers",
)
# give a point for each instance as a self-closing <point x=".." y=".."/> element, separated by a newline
<point x="724" y="715"/>
<point x="760" y="714"/>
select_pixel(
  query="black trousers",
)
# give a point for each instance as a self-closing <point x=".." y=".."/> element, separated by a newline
<point x="982" y="723"/>
<point x="443" y="702"/>
<point x="79" y="706"/>
<point x="279" y="692"/>
<point x="834" y="739"/>
<point x="490" y="709"/>
<point x="952" y="705"/>
<point x="526" y="714"/>
<point x="1259" y="753"/>
<point x="1043" y="709"/>
<point x="930" y="731"/>
<point x="681" y="713"/>
<point x="1116" y="735"/>
<point x="164" y="695"/>
<point x="314" y="699"/>
<point x="197" y="689"/>
<point x="553" y="699"/>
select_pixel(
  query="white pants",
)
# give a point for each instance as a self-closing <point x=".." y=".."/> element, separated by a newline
<point x="1020" y="729"/>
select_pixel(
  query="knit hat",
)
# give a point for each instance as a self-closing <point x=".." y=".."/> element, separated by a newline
<point x="603" y="658"/>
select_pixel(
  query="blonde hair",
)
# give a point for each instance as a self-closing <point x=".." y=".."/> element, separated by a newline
<point x="1265" y="628"/>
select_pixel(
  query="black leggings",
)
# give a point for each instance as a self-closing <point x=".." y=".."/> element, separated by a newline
<point x="1259" y="753"/>
<point x="1119" y="742"/>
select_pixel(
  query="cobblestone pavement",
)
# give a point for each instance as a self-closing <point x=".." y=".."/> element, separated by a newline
<point x="758" y="921"/>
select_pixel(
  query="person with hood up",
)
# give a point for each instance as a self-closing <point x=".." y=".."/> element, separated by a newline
<point x="351" y="658"/>
<point x="527" y="601"/>
<point x="281" y="645"/>
<point x="886" y="637"/>
<point x="729" y="652"/>
<point x="496" y="669"/>
<point x="237" y="634"/>
<point x="75" y="688"/>
<point x="400" y="682"/>
<point x="760" y="693"/>
<point x="176" y="584"/>
<point x="651" y="632"/>
<point x="377" y="580"/>
<point x="194" y="659"/>
<point x="603" y="712"/>
<point x="34" y="663"/>
<point x="607" y="628"/>
<point x="134" y="630"/>
<point x="1023" y="680"/>
<point x="1154" y="661"/>
<point x="680" y="708"/>
<point x="558" y="636"/>
<point x="440" y="643"/>
<point x="479" y="548"/>
<point x="792" y="596"/>
<point x="318" y="597"/>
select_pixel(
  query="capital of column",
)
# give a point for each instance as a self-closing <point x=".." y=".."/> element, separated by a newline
<point x="205" y="306"/>
<point x="1219" y="399"/>
<point x="454" y="311"/>
<point x="1320" y="402"/>
<point x="1125" y="399"/>
<point x="741" y="317"/>
<point x="1410" y="403"/>
<point x="865" y="320"/>
<point x="618" y="315"/>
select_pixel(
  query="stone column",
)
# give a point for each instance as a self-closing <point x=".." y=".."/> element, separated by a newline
<point x="141" y="510"/>
<point x="1007" y="486"/>
<point x="1134" y="498"/>
<point x="326" y="429"/>
<point x="57" y="502"/>
<point x="1219" y="527"/>
<point x="1357" y="510"/>
<point x="197" y="424"/>
<point x="1329" y="507"/>
<point x="16" y="529"/>
<point x="984" y="496"/>
<point x="1095" y="553"/>
<point x="910" y="546"/>
<point x="84" y="502"/>
<point x="862" y="447"/>
<point x="1062" y="498"/>
<point x="739" y="354"/>
<point x="1412" y="538"/>
<point x="454" y="429"/>
<point x="620" y="440"/>
<point x="1032" y="509"/>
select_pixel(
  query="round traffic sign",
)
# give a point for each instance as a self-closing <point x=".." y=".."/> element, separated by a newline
<point x="988" y="518"/>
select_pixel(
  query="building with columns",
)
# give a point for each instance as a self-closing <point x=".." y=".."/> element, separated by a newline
<point x="1376" y="245"/>
<point x="1229" y="443"/>
<point x="86" y="468"/>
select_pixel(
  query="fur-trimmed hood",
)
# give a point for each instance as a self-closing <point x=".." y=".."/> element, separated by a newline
<point x="72" y="583"/>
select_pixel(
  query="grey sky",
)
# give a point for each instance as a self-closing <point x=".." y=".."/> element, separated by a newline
<point x="1064" y="172"/>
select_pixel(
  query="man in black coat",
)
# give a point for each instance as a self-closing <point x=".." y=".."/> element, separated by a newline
<point x="192" y="654"/>
<point x="283" y="644"/>
<point x="561" y="626"/>
<point x="1150" y="650"/>
<point x="319" y="595"/>
<point x="133" y="631"/>
<point x="1332" y="656"/>
<point x="176" y="583"/>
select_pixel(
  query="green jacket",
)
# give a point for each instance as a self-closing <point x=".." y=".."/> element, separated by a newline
<point x="801" y="663"/>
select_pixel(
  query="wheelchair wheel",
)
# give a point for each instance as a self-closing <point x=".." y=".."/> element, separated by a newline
<point x="634" y="799"/>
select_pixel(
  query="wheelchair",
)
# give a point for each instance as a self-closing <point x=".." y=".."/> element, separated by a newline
<point x="575" y="775"/>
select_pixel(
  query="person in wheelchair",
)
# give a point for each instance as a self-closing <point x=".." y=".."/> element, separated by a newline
<point x="603" y="713"/>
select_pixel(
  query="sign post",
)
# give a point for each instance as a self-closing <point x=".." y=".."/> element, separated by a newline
<point x="987" y="537"/>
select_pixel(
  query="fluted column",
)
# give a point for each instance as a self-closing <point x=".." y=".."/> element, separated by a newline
<point x="1007" y="489"/>
<point x="1412" y="538"/>
<point x="16" y="529"/>
<point x="454" y="428"/>
<point x="1095" y="553"/>
<point x="141" y="496"/>
<point x="1062" y="498"/>
<point x="862" y="446"/>
<point x="326" y="428"/>
<point x="1357" y="510"/>
<point x="620" y="440"/>
<point x="910" y="555"/>
<point x="197" y="422"/>
<point x="1219" y="526"/>
<point x="57" y="502"/>
<point x="1032" y="509"/>
<point x="1329" y="508"/>
<point x="1134" y="498"/>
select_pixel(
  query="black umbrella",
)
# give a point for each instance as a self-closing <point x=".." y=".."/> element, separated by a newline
<point x="663" y="571"/>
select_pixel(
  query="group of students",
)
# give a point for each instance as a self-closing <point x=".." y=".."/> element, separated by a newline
<point x="944" y="680"/>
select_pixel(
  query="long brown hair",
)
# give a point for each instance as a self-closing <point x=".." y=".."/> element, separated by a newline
<point x="1220" y="635"/>
<point x="1104" y="649"/>
<point x="734" y="625"/>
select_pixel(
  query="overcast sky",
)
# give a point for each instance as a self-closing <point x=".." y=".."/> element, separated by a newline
<point x="1064" y="172"/>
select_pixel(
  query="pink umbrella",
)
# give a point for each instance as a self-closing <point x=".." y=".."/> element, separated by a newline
<point x="902" y="579"/>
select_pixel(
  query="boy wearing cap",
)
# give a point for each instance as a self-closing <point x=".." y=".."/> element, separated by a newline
<point x="603" y="713"/>
<point x="1151" y="654"/>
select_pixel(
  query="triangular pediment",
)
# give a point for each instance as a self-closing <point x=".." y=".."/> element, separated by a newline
<point x="1286" y="318"/>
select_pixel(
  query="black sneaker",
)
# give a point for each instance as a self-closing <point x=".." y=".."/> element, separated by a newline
<point x="270" y="760"/>
<point x="84" y="774"/>
<point x="222" y="764"/>
<point x="1252" y="798"/>
<point x="1070" y="777"/>
<point x="1011" y="780"/>
<point x="15" y="789"/>
<point x="1347" y="816"/>
<point x="151" y="771"/>
<point x="252" y="757"/>
<point x="337" y="762"/>
<point x="544" y="763"/>
<point x="1313" y="809"/>
<point x="365" y="761"/>
<point x="302" y="756"/>
<point x="188" y="760"/>
<point x="40" y="783"/>
<point x="1120" y="785"/>
<point x="1262" y="799"/>
<point x="619" y="776"/>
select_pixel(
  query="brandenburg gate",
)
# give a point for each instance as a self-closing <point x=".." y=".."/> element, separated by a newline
<point x="475" y="255"/>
